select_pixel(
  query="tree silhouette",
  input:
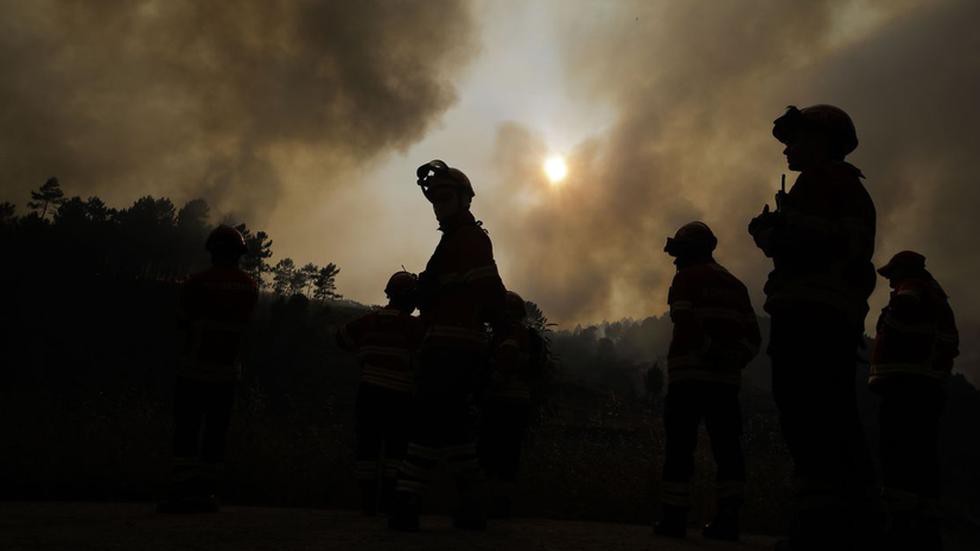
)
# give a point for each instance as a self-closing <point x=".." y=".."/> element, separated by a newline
<point x="97" y="212"/>
<point x="325" y="286"/>
<point x="149" y="240"/>
<point x="283" y="275"/>
<point x="193" y="216"/>
<point x="49" y="194"/>
<point x="7" y="213"/>
<point x="537" y="320"/>
<point x="259" y="250"/>
<point x="307" y="277"/>
<point x="71" y="215"/>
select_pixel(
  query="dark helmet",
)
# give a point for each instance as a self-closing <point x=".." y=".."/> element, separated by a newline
<point x="694" y="238"/>
<point x="905" y="262"/>
<point x="437" y="173"/>
<point x="401" y="285"/>
<point x="826" y="119"/>
<point x="227" y="240"/>
<point x="514" y="306"/>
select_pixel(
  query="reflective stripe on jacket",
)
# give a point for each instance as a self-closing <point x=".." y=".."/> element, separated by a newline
<point x="823" y="243"/>
<point x="916" y="333"/>
<point x="384" y="341"/>
<point x="215" y="308"/>
<point x="715" y="331"/>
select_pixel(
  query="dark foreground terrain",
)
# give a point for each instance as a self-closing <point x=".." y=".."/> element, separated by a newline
<point x="124" y="526"/>
<point x="88" y="526"/>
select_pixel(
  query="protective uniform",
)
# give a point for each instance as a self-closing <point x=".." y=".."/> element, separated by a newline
<point x="821" y="239"/>
<point x="715" y="335"/>
<point x="215" y="308"/>
<point x="459" y="292"/>
<point x="517" y="357"/>
<point x="914" y="349"/>
<point x="384" y="341"/>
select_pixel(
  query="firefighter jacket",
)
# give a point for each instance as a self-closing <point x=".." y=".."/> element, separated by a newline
<point x="916" y="333"/>
<point x="215" y="308"/>
<point x="517" y="358"/>
<point x="716" y="333"/>
<point x="822" y="242"/>
<point x="460" y="290"/>
<point x="384" y="341"/>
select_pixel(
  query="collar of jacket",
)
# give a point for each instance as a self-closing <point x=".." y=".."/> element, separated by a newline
<point x="847" y="166"/>
<point x="687" y="262"/>
<point x="463" y="219"/>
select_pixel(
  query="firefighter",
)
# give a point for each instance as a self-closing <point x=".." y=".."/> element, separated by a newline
<point x="518" y="355"/>
<point x="821" y="238"/>
<point x="215" y="308"/>
<point x="914" y="349"/>
<point x="715" y="336"/>
<point x="459" y="293"/>
<point x="384" y="341"/>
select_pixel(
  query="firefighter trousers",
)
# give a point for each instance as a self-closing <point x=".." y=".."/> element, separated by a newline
<point x="685" y="405"/>
<point x="814" y="359"/>
<point x="381" y="424"/>
<point x="909" y="440"/>
<point x="503" y="427"/>
<point x="443" y="421"/>
<point x="202" y="412"/>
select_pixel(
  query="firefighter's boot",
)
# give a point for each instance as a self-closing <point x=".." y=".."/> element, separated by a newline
<point x="725" y="524"/>
<point x="404" y="514"/>
<point x="387" y="495"/>
<point x="369" y="497"/>
<point x="501" y="500"/>
<point x="673" y="523"/>
<point x="472" y="512"/>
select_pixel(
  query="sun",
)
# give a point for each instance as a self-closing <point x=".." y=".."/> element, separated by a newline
<point x="555" y="169"/>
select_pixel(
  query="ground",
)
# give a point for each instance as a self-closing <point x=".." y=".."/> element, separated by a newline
<point x="119" y="526"/>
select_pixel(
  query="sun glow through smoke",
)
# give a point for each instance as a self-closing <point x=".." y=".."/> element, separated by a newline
<point x="556" y="169"/>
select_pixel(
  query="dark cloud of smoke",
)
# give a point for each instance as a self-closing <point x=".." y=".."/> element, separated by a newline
<point x="696" y="86"/>
<point x="210" y="98"/>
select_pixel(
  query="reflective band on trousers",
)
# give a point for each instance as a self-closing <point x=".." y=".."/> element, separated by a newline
<point x="675" y="493"/>
<point x="730" y="488"/>
<point x="923" y="370"/>
<point x="400" y="381"/>
<point x="897" y="499"/>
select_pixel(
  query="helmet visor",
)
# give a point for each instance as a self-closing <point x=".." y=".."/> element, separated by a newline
<point x="427" y="172"/>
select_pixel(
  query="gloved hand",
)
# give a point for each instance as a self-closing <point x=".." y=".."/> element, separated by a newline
<point x="761" y="229"/>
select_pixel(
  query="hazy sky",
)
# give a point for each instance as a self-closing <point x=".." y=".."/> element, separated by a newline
<point x="308" y="119"/>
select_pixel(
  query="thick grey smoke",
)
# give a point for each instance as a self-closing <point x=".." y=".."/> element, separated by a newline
<point x="189" y="98"/>
<point x="696" y="86"/>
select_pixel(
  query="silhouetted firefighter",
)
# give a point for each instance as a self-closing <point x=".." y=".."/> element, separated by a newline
<point x="517" y="359"/>
<point x="716" y="335"/>
<point x="459" y="292"/>
<point x="384" y="341"/>
<point x="914" y="350"/>
<point x="215" y="308"/>
<point x="821" y="239"/>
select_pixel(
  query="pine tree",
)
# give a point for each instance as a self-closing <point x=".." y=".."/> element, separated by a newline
<point x="49" y="194"/>
<point x="282" y="276"/>
<point x="325" y="283"/>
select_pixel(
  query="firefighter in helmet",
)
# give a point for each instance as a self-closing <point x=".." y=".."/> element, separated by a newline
<point x="384" y="341"/>
<point x="517" y="360"/>
<point x="459" y="293"/>
<point x="214" y="311"/>
<point x="821" y="238"/>
<point x="915" y="345"/>
<point x="715" y="336"/>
